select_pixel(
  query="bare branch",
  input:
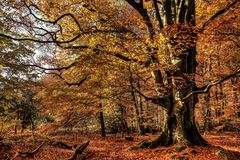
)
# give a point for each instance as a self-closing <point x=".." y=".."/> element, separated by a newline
<point x="207" y="87"/>
<point x="53" y="35"/>
<point x="66" y="41"/>
<point x="52" y="22"/>
<point x="59" y="75"/>
<point x="26" y="39"/>
<point x="72" y="84"/>
<point x="65" y="81"/>
<point x="141" y="94"/>
<point x="122" y="57"/>
<point x="51" y="69"/>
<point x="156" y="100"/>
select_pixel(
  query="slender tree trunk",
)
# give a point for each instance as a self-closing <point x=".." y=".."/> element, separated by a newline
<point x="222" y="95"/>
<point x="17" y="123"/>
<point x="123" y="121"/>
<point x="141" y="128"/>
<point x="101" y="119"/>
<point x="235" y="91"/>
<point x="32" y="126"/>
<point x="207" y="117"/>
<point x="126" y="126"/>
<point x="15" y="128"/>
<point x="141" y="119"/>
<point x="102" y="124"/>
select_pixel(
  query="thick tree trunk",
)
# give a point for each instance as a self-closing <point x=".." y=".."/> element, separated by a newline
<point x="178" y="126"/>
<point x="179" y="120"/>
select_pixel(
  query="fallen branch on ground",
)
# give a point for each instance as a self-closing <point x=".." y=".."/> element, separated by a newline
<point x="26" y="154"/>
<point x="79" y="150"/>
<point x="62" y="145"/>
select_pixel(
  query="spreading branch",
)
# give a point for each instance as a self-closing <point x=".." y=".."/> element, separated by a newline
<point x="155" y="100"/>
<point x="54" y="40"/>
<point x="207" y="87"/>
<point x="48" y="21"/>
<point x="72" y="83"/>
<point x="53" y="35"/>
<point x="218" y="13"/>
<point x="59" y="69"/>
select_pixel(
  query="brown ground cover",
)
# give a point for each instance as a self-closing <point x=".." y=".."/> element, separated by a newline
<point x="225" y="146"/>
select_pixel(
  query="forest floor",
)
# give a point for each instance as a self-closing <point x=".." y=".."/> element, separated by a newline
<point x="225" y="146"/>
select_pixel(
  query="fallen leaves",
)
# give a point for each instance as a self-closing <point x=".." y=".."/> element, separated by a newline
<point x="110" y="148"/>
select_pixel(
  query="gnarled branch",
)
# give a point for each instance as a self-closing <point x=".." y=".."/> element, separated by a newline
<point x="207" y="87"/>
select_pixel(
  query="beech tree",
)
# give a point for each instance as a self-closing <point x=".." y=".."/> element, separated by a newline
<point x="163" y="43"/>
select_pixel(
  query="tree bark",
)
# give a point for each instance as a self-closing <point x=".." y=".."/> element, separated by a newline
<point x="179" y="120"/>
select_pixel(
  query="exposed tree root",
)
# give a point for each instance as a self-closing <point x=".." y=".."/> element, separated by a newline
<point x="161" y="140"/>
